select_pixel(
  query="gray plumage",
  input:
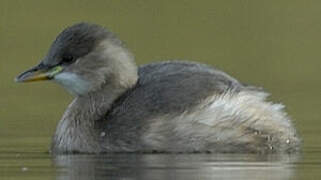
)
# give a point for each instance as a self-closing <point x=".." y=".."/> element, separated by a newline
<point x="171" y="106"/>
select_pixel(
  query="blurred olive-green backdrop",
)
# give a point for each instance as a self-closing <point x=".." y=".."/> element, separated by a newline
<point x="274" y="44"/>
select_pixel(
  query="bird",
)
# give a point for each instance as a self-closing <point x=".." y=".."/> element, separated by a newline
<point x="171" y="106"/>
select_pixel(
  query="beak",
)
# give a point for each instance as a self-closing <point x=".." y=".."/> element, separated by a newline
<point x="39" y="73"/>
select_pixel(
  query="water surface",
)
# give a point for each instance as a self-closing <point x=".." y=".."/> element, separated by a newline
<point x="39" y="165"/>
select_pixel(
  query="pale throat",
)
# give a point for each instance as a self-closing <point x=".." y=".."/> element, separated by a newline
<point x="73" y="83"/>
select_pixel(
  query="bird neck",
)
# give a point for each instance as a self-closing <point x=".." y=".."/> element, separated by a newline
<point x="95" y="105"/>
<point x="76" y="130"/>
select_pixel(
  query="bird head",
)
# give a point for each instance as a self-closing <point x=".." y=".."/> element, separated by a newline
<point x="84" y="58"/>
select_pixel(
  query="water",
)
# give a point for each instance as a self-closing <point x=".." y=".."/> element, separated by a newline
<point x="40" y="165"/>
<point x="273" y="44"/>
<point x="37" y="165"/>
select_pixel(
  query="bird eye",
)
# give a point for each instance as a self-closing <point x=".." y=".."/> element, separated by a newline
<point x="67" y="59"/>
